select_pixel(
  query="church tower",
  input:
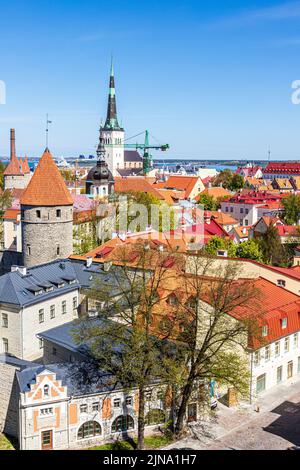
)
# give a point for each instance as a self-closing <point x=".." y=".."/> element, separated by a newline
<point x="46" y="215"/>
<point x="111" y="133"/>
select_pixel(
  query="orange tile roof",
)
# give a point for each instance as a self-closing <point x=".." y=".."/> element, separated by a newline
<point x="15" y="167"/>
<point x="11" y="214"/>
<point x="47" y="186"/>
<point x="222" y="218"/>
<point x="180" y="183"/>
<point x="217" y="192"/>
<point x="136" y="184"/>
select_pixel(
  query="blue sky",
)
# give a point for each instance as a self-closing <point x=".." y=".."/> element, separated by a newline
<point x="211" y="78"/>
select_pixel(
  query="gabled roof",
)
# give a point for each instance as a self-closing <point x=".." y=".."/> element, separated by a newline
<point x="132" y="156"/>
<point x="135" y="184"/>
<point x="181" y="183"/>
<point x="15" y="167"/>
<point x="47" y="186"/>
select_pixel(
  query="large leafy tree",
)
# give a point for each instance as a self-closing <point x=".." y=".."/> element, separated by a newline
<point x="209" y="202"/>
<point x="291" y="206"/>
<point x="272" y="250"/>
<point x="217" y="243"/>
<point x="249" y="249"/>
<point x="229" y="180"/>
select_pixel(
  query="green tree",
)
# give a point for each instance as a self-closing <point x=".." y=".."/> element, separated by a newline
<point x="229" y="180"/>
<point x="2" y="168"/>
<point x="217" y="243"/>
<point x="272" y="250"/>
<point x="208" y="201"/>
<point x="291" y="206"/>
<point x="249" y="249"/>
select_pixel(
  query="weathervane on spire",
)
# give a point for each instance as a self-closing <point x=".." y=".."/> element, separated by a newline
<point x="47" y="129"/>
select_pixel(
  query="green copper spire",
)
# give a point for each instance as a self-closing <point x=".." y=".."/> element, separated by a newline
<point x="111" y="122"/>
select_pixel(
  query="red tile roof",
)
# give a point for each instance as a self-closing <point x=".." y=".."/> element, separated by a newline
<point x="283" y="168"/>
<point x="47" y="186"/>
<point x="135" y="184"/>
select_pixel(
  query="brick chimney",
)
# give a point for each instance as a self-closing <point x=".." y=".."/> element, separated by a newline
<point x="12" y="144"/>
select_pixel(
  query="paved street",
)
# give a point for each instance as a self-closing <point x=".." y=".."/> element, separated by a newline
<point x="275" y="426"/>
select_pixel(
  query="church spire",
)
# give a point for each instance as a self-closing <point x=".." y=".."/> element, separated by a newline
<point x="111" y="122"/>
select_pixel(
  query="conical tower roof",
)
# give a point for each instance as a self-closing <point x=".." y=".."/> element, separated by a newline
<point x="47" y="186"/>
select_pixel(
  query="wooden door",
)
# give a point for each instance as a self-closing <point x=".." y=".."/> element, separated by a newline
<point x="47" y="440"/>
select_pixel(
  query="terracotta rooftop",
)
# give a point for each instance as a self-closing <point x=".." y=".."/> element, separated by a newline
<point x="47" y="186"/>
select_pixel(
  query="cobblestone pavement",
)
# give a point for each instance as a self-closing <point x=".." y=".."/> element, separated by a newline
<point x="275" y="426"/>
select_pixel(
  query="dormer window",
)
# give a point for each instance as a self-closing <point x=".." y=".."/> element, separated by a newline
<point x="281" y="283"/>
<point x="60" y="285"/>
<point x="46" y="390"/>
<point x="265" y="330"/>
<point x="284" y="323"/>
<point x="172" y="300"/>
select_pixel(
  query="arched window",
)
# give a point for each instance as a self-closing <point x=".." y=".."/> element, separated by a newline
<point x="46" y="390"/>
<point x="89" y="429"/>
<point x="155" y="416"/>
<point x="122" y="423"/>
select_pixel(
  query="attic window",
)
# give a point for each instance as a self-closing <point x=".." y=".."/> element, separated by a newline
<point x="284" y="323"/>
<point x="46" y="390"/>
<point x="172" y="300"/>
<point x="265" y="330"/>
<point x="281" y="283"/>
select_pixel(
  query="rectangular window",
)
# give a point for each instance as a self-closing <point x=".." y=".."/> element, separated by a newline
<point x="226" y="209"/>
<point x="246" y="211"/>
<point x="286" y="344"/>
<point x="38" y="214"/>
<point x="265" y="330"/>
<point x="4" y="320"/>
<point x="46" y="411"/>
<point x="5" y="345"/>
<point x="52" y="311"/>
<point x="41" y="343"/>
<point x="284" y="323"/>
<point x="290" y="370"/>
<point x="64" y="307"/>
<point x="267" y="353"/>
<point x="192" y="412"/>
<point x="281" y="283"/>
<point x="129" y="401"/>
<point x="277" y="348"/>
<point x="241" y="210"/>
<point x="54" y="351"/>
<point x="41" y="315"/>
<point x="261" y="383"/>
<point x="74" y="302"/>
<point x="246" y="222"/>
<point x="83" y="408"/>
<point x="117" y="403"/>
<point x="96" y="406"/>
<point x="256" y="358"/>
<point x="279" y="374"/>
<point x="231" y="209"/>
<point x="296" y="340"/>
<point x="28" y="250"/>
<point x="58" y="213"/>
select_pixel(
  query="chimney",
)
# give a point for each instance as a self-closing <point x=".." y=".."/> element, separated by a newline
<point x="20" y="269"/>
<point x="12" y="144"/>
<point x="89" y="261"/>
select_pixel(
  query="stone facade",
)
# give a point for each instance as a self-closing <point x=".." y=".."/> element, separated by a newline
<point x="17" y="181"/>
<point x="47" y="233"/>
<point x="9" y="399"/>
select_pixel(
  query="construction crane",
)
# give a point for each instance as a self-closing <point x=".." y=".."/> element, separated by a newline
<point x="147" y="157"/>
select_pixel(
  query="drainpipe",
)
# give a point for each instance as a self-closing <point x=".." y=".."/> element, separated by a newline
<point x="251" y="377"/>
